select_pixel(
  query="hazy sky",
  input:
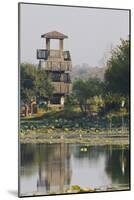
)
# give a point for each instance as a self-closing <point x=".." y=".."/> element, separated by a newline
<point x="91" y="31"/>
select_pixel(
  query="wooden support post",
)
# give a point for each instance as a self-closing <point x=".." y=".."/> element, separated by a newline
<point x="61" y="44"/>
<point x="47" y="43"/>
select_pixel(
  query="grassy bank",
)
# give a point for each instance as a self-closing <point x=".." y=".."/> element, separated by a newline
<point x="73" y="119"/>
<point x="71" y="126"/>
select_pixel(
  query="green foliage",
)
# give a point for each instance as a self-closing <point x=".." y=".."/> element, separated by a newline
<point x="85" y="90"/>
<point x="70" y="100"/>
<point x="43" y="86"/>
<point x="117" y="74"/>
<point x="27" y="77"/>
<point x="110" y="93"/>
<point x="34" y="83"/>
<point x="75" y="187"/>
<point x="113" y="101"/>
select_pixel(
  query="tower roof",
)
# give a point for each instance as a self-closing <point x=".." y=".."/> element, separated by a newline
<point x="54" y="35"/>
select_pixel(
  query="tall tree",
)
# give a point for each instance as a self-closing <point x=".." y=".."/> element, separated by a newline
<point x="117" y="74"/>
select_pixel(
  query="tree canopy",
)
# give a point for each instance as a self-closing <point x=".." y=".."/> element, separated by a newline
<point x="34" y="83"/>
<point x="84" y="90"/>
<point x="117" y="74"/>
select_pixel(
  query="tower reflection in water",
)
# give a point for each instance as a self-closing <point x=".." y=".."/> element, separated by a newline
<point x="54" y="171"/>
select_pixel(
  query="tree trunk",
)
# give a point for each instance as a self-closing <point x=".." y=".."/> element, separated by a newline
<point x="81" y="107"/>
<point x="31" y="108"/>
<point x="26" y="109"/>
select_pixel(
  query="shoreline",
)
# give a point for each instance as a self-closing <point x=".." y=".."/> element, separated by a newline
<point x="79" y="190"/>
<point x="88" y="138"/>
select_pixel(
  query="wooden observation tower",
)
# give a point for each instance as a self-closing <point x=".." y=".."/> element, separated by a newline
<point x="57" y="64"/>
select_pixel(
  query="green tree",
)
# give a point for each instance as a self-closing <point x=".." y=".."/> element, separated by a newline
<point x="27" y="78"/>
<point x="43" y="85"/>
<point x="35" y="84"/>
<point x="84" y="90"/>
<point x="117" y="74"/>
<point x="112" y="101"/>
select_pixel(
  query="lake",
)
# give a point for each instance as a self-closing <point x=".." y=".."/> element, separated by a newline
<point x="54" y="168"/>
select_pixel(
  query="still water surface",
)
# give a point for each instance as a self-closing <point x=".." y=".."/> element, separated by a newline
<point x="49" y="168"/>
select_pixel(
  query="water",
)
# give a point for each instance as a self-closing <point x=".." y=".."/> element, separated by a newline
<point x="49" y="168"/>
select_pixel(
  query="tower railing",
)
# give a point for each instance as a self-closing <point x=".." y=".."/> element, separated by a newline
<point x="48" y="54"/>
<point x="55" y="66"/>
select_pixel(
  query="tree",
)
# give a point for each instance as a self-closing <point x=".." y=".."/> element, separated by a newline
<point x="27" y="77"/>
<point x="43" y="85"/>
<point x="112" y="101"/>
<point x="35" y="84"/>
<point x="84" y="90"/>
<point x="117" y="74"/>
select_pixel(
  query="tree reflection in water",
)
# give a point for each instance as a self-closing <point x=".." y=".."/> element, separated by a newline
<point x="49" y="168"/>
<point x="117" y="164"/>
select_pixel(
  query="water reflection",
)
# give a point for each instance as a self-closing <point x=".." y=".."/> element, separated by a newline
<point x="117" y="165"/>
<point x="49" y="168"/>
<point x="54" y="167"/>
